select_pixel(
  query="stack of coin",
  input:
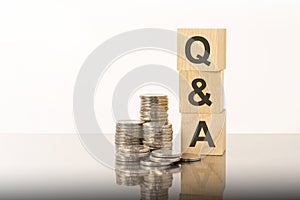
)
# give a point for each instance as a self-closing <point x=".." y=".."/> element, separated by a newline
<point x="157" y="136"/>
<point x="128" y="141"/>
<point x="154" y="112"/>
<point x="128" y="133"/>
<point x="154" y="108"/>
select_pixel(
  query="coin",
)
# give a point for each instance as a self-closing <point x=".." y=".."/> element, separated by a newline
<point x="166" y="153"/>
<point x="135" y="149"/>
<point x="153" y="95"/>
<point x="165" y="159"/>
<point x="189" y="157"/>
<point x="148" y="162"/>
<point x="129" y="122"/>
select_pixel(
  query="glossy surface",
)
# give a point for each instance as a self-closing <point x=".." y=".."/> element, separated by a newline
<point x="57" y="166"/>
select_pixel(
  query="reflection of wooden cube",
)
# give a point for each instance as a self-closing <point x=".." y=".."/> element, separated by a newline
<point x="189" y="100"/>
<point x="214" y="138"/>
<point x="216" y="39"/>
<point x="204" y="179"/>
<point x="197" y="197"/>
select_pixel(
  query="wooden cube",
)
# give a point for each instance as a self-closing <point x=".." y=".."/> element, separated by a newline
<point x="201" y="92"/>
<point x="203" y="134"/>
<point x="204" y="179"/>
<point x="201" y="49"/>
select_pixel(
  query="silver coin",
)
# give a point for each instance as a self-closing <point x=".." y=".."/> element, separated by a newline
<point x="153" y="114"/>
<point x="189" y="157"/>
<point x="158" y="141"/>
<point x="156" y="124"/>
<point x="148" y="162"/>
<point x="157" y="159"/>
<point x="159" y="128"/>
<point x="138" y="142"/>
<point x="121" y="129"/>
<point x="154" y="169"/>
<point x="129" y="122"/>
<point x="127" y="143"/>
<point x="158" y="116"/>
<point x="160" y="132"/>
<point x="158" y="136"/>
<point x="166" y="153"/>
<point x="158" y="98"/>
<point x="130" y="134"/>
<point x="126" y="138"/>
<point x="154" y="107"/>
<point x="154" y="102"/>
<point x="154" y="95"/>
<point x="126" y="159"/>
<point x="136" y="149"/>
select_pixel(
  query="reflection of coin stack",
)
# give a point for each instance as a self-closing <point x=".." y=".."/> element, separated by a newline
<point x="127" y="173"/>
<point x="154" y="181"/>
<point x="157" y="182"/>
<point x="201" y="62"/>
<point x="154" y="112"/>
<point x="134" y="139"/>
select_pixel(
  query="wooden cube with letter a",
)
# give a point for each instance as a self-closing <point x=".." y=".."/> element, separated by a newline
<point x="201" y="49"/>
<point x="203" y="134"/>
<point x="201" y="92"/>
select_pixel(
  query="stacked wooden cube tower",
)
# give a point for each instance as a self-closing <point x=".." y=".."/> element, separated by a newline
<point x="201" y="61"/>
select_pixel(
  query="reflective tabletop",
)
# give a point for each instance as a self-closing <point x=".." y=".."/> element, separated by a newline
<point x="58" y="166"/>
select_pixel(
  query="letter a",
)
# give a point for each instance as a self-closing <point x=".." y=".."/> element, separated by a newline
<point x="196" y="137"/>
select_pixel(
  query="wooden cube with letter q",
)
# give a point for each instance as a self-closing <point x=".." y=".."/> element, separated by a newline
<point x="203" y="134"/>
<point x="201" y="92"/>
<point x="201" y="49"/>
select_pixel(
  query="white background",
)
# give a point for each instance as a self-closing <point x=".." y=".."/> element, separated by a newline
<point x="44" y="43"/>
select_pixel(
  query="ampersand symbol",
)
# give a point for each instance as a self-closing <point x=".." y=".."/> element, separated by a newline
<point x="198" y="91"/>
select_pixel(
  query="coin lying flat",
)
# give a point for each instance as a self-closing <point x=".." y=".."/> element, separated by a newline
<point x="189" y="157"/>
<point x="166" y="153"/>
<point x="170" y="160"/>
<point x="150" y="163"/>
<point x="129" y="122"/>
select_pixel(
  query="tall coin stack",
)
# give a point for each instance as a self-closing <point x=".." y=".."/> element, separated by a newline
<point x="157" y="132"/>
<point x="201" y="61"/>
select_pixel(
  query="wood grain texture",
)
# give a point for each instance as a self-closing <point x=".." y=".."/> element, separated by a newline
<point x="214" y="86"/>
<point x="216" y="124"/>
<point x="204" y="179"/>
<point x="217" y="42"/>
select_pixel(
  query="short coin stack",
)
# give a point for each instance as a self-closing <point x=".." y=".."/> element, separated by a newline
<point x="157" y="132"/>
<point x="157" y="136"/>
<point x="128" y="141"/>
<point x="154" y="108"/>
